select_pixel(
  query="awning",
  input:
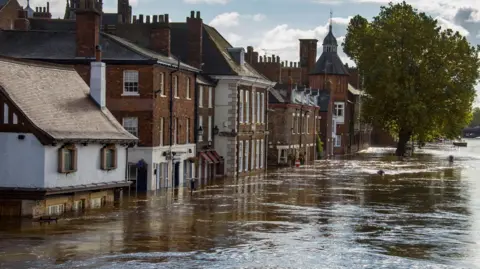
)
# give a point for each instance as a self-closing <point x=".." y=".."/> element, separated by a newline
<point x="205" y="157"/>
<point x="212" y="157"/>
<point x="215" y="153"/>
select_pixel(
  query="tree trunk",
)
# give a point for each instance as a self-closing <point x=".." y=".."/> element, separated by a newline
<point x="403" y="138"/>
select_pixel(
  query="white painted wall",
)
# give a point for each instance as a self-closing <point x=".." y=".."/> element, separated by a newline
<point x="88" y="167"/>
<point x="22" y="161"/>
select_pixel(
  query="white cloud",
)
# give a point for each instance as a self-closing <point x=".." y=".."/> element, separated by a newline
<point x="259" y="17"/>
<point x="209" y="2"/>
<point x="446" y="24"/>
<point x="226" y="20"/>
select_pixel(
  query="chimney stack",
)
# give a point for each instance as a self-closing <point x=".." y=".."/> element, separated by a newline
<point x="98" y="79"/>
<point x="21" y="22"/>
<point x="87" y="29"/>
<point x="160" y="35"/>
<point x="195" y="39"/>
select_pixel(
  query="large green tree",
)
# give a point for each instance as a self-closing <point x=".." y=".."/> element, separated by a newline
<point x="418" y="79"/>
<point x="475" y="118"/>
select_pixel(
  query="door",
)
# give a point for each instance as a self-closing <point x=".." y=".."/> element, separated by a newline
<point x="176" y="176"/>
<point x="142" y="174"/>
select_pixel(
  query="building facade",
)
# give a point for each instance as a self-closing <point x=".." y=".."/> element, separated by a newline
<point x="75" y="149"/>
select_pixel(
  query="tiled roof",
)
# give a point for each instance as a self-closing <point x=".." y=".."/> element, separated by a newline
<point x="331" y="64"/>
<point x="216" y="59"/>
<point x="57" y="101"/>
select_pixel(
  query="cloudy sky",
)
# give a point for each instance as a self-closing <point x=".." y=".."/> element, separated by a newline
<point x="274" y="26"/>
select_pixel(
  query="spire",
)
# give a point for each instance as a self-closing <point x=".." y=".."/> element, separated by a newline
<point x="331" y="21"/>
<point x="330" y="42"/>
<point x="28" y="3"/>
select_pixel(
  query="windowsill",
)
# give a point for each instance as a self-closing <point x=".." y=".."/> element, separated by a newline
<point x="130" y="94"/>
<point x="176" y="97"/>
<point x="68" y="172"/>
<point x="188" y="98"/>
<point x="109" y="169"/>
<point x="163" y="95"/>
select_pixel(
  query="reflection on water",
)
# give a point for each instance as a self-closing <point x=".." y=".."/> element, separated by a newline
<point x="425" y="213"/>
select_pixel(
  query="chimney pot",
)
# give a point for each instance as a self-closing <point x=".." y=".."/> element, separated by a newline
<point x="273" y="58"/>
<point x="198" y="15"/>
<point x="278" y="59"/>
<point x="166" y="19"/>
<point x="291" y="64"/>
<point x="155" y="18"/>
<point x="98" y="83"/>
<point x="192" y="14"/>
<point x="135" y="19"/>
<point x="48" y="7"/>
<point x="119" y="18"/>
<point x="36" y="9"/>
<point x="148" y="19"/>
<point x="261" y="59"/>
<point x="161" y="18"/>
<point x="269" y="59"/>
<point x="140" y="18"/>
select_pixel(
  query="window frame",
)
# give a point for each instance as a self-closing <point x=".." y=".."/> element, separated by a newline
<point x="103" y="160"/>
<point x="161" y="131"/>
<point x="246" y="153"/>
<point x="339" y="107"/>
<point x="187" y="130"/>
<point x="240" y="156"/>
<point x="162" y="84"/>
<point x="262" y="152"/>
<point x="262" y="109"/>
<point x="210" y="97"/>
<point x="187" y="89"/>
<point x="254" y="108"/>
<point x="210" y="124"/>
<point x="175" y="131"/>
<point x="247" y="107"/>
<point x="257" y="154"/>
<point x="61" y="159"/>
<point x="135" y="119"/>
<point x="241" y="107"/>
<point x="338" y="141"/>
<point x="200" y="96"/>
<point x="200" y="124"/>
<point x="126" y="79"/>
<point x="175" y="86"/>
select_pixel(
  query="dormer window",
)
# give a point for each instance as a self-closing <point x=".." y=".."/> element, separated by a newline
<point x="238" y="55"/>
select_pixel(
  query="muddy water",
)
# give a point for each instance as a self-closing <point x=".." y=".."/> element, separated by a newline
<point x="425" y="213"/>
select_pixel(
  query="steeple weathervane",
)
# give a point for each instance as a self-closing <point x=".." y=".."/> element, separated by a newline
<point x="331" y="20"/>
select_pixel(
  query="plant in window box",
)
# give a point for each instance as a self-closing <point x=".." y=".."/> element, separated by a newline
<point x="109" y="157"/>
<point x="67" y="159"/>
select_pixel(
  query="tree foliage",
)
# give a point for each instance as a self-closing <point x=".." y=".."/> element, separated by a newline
<point x="419" y="79"/>
<point x="475" y="118"/>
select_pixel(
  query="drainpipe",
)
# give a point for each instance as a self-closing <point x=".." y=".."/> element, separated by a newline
<point x="238" y="131"/>
<point x="195" y="123"/>
<point x="171" y="120"/>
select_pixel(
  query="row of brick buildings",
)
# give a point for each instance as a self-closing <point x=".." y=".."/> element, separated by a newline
<point x="199" y="106"/>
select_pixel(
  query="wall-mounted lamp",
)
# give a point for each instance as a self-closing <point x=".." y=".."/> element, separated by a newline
<point x="200" y="131"/>
<point x="215" y="130"/>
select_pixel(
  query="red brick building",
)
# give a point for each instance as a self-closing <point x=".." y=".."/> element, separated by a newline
<point x="150" y="93"/>
<point x="8" y="13"/>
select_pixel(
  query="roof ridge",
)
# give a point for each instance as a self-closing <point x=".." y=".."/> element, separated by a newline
<point x="36" y="63"/>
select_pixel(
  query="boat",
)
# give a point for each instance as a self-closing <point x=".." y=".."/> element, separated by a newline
<point x="460" y="143"/>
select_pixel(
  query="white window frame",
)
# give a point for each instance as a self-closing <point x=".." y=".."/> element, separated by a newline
<point x="259" y="108"/>
<point x="200" y="96"/>
<point x="96" y="203"/>
<point x="247" y="107"/>
<point x="247" y="152"/>
<point x="187" y="131"/>
<point x="254" y="108"/>
<point x="257" y="154"/>
<point x="338" y="141"/>
<point x="252" y="160"/>
<point x="187" y="87"/>
<point x="241" y="108"/>
<point x="240" y="156"/>
<point x="262" y="153"/>
<point x="175" y="86"/>
<point x="56" y="209"/>
<point x="200" y="124"/>
<point x="263" y="107"/>
<point x="209" y="128"/>
<point x="162" y="84"/>
<point x="162" y="122"/>
<point x="210" y="97"/>
<point x="306" y="123"/>
<point x="297" y="124"/>
<point x="131" y="76"/>
<point x="5" y="113"/>
<point x="131" y="125"/>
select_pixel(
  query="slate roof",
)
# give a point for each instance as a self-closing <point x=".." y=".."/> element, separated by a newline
<point x="61" y="45"/>
<point x="331" y="62"/>
<point x="330" y="38"/>
<point x="205" y="80"/>
<point x="40" y="24"/>
<point x="216" y="59"/>
<point x="275" y="97"/>
<point x="3" y="2"/>
<point x="109" y="18"/>
<point x="57" y="101"/>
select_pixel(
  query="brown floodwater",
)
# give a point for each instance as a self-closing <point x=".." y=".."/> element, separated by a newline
<point x="424" y="213"/>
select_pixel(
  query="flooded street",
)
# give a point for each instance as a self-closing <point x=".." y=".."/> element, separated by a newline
<point x="425" y="213"/>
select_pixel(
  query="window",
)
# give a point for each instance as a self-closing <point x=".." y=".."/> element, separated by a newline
<point x="297" y="124"/>
<point x="240" y="156"/>
<point x="5" y="113"/>
<point x="175" y="131"/>
<point x="78" y="205"/>
<point x="187" y="133"/>
<point x="56" y="209"/>
<point x="161" y="128"/>
<point x="257" y="154"/>
<point x="210" y="97"/>
<point x="259" y="108"/>
<point x="252" y="163"/>
<point x="67" y="159"/>
<point x="200" y="124"/>
<point x="130" y="82"/>
<point x="209" y="128"/>
<point x="109" y="157"/>
<point x="294" y="119"/>
<point x="306" y="124"/>
<point x="263" y="107"/>
<point x="338" y="141"/>
<point x="96" y="203"/>
<point x="131" y="125"/>
<point x="175" y="86"/>
<point x="200" y="96"/>
<point x="339" y="109"/>
<point x="247" y="151"/>
<point x="132" y="171"/>
<point x="247" y="107"/>
<point x="162" y="84"/>
<point x="241" y="106"/>
<point x="262" y="152"/>
<point x="187" y="87"/>
<point x="254" y="108"/>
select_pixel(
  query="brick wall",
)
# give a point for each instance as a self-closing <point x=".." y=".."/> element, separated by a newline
<point x="8" y="14"/>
